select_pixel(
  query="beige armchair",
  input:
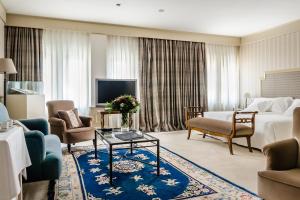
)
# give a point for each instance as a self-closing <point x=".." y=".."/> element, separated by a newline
<point x="281" y="179"/>
<point x="58" y="126"/>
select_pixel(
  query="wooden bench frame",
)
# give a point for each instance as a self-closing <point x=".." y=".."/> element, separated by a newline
<point x="194" y="111"/>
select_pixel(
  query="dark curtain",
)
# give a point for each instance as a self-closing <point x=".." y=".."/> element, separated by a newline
<point x="172" y="76"/>
<point x="24" y="46"/>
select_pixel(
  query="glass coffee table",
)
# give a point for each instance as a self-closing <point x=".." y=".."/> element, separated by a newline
<point x="112" y="142"/>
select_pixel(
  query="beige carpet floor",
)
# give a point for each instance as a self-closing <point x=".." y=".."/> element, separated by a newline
<point x="240" y="168"/>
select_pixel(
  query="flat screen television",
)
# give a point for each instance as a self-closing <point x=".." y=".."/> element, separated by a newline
<point x="108" y="89"/>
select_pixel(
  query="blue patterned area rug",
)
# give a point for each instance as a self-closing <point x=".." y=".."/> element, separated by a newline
<point x="85" y="177"/>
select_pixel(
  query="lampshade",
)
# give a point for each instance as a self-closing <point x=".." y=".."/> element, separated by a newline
<point x="7" y="66"/>
<point x="247" y="95"/>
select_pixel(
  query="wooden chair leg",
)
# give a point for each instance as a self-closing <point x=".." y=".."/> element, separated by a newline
<point x="189" y="133"/>
<point x="249" y="144"/>
<point x="230" y="145"/>
<point x="69" y="148"/>
<point x="203" y="135"/>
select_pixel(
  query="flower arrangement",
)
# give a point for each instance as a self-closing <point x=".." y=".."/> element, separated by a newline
<point x="125" y="104"/>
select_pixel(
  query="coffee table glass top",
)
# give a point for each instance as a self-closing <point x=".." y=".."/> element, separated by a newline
<point x="110" y="137"/>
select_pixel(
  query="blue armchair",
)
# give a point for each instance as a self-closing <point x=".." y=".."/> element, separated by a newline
<point x="44" y="149"/>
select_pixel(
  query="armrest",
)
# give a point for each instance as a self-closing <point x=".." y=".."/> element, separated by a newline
<point x="87" y="121"/>
<point x="35" y="142"/>
<point x="248" y="119"/>
<point x="59" y="123"/>
<point x="36" y="124"/>
<point x="282" y="155"/>
<point x="193" y="111"/>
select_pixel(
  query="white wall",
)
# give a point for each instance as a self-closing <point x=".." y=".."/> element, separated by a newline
<point x="1" y="53"/>
<point x="98" y="60"/>
<point x="2" y="23"/>
<point x="272" y="50"/>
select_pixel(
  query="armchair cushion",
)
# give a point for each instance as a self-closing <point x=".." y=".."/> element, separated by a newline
<point x="71" y="118"/>
<point x="282" y="155"/>
<point x="288" y="177"/>
<point x="79" y="135"/>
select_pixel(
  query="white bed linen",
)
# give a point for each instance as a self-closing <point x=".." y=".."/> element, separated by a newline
<point x="269" y="127"/>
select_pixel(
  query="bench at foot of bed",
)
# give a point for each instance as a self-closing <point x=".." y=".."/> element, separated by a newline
<point x="229" y="130"/>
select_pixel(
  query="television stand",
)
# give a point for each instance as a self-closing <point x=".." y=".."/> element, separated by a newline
<point x="103" y="113"/>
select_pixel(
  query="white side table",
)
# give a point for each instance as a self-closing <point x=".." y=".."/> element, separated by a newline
<point x="14" y="158"/>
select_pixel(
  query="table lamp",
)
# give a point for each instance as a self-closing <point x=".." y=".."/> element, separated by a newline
<point x="6" y="67"/>
<point x="247" y="95"/>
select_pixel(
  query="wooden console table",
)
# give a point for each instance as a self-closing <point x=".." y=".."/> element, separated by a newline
<point x="103" y="113"/>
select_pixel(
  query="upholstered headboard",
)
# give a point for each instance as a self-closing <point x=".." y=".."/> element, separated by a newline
<point x="281" y="83"/>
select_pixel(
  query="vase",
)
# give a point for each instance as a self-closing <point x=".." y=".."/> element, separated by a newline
<point x="125" y="122"/>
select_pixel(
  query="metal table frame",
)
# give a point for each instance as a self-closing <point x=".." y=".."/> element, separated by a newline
<point x="133" y="145"/>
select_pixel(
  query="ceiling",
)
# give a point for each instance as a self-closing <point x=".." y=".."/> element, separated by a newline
<point x="221" y="17"/>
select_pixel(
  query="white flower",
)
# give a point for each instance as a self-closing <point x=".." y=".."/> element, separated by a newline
<point x="102" y="179"/>
<point x="141" y="156"/>
<point x="170" y="182"/>
<point x="115" y="191"/>
<point x="122" y="105"/>
<point x="147" y="189"/>
<point x="94" y="170"/>
<point x="162" y="171"/>
<point x="153" y="163"/>
<point x="94" y="161"/>
<point x="136" y="178"/>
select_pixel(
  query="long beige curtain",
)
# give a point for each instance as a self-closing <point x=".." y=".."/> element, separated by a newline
<point x="172" y="76"/>
<point x="24" y="46"/>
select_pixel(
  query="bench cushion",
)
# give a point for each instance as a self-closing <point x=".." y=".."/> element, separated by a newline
<point x="219" y="126"/>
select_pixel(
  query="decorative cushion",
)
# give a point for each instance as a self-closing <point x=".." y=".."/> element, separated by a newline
<point x="290" y="110"/>
<point x="281" y="104"/>
<point x="259" y="105"/>
<point x="71" y="118"/>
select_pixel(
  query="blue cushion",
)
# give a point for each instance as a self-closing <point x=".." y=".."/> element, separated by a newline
<point x="52" y="165"/>
<point x="3" y="113"/>
<point x="52" y="145"/>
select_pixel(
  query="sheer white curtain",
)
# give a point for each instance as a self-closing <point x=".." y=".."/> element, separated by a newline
<point x="123" y="63"/>
<point x="222" y="77"/>
<point x="67" y="67"/>
<point x="122" y="57"/>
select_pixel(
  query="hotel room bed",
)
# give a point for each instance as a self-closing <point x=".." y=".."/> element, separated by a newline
<point x="274" y="121"/>
<point x="269" y="127"/>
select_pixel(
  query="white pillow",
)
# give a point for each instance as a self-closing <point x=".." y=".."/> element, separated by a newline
<point x="281" y="104"/>
<point x="258" y="99"/>
<point x="290" y="110"/>
<point x="259" y="105"/>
